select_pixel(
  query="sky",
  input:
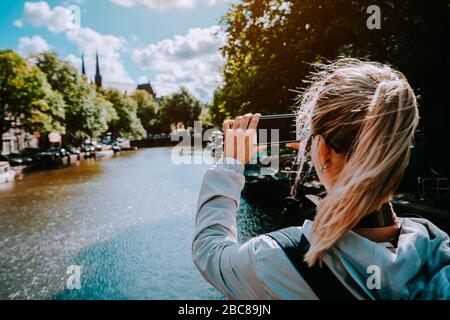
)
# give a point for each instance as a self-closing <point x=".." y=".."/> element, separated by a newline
<point x="171" y="43"/>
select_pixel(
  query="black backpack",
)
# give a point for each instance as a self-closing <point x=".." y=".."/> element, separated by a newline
<point x="320" y="279"/>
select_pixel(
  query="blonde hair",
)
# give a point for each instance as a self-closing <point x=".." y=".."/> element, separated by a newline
<point x="368" y="112"/>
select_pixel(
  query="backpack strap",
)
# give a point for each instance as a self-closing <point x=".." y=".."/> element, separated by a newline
<point x="320" y="279"/>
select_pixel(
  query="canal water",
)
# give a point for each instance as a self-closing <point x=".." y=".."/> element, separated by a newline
<point x="127" y="222"/>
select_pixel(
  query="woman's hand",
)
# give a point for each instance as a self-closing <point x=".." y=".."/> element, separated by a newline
<point x="293" y="145"/>
<point x="239" y="137"/>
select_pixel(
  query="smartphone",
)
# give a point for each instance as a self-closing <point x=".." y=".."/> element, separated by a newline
<point x="284" y="123"/>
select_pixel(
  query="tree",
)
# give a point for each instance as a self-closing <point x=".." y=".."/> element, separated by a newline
<point x="126" y="123"/>
<point x="26" y="95"/>
<point x="45" y="112"/>
<point x="97" y="117"/>
<point x="272" y="44"/>
<point x="87" y="114"/>
<point x="179" y="107"/>
<point x="147" y="111"/>
<point x="206" y="116"/>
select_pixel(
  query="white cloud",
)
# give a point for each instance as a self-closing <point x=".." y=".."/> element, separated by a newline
<point x="192" y="61"/>
<point x="210" y="2"/>
<point x="156" y="4"/>
<point x="89" y="42"/>
<point x="39" y="14"/>
<point x="162" y="4"/>
<point x="18" y="23"/>
<point x="35" y="44"/>
<point x="74" y="61"/>
<point x="143" y="79"/>
<point x="109" y="48"/>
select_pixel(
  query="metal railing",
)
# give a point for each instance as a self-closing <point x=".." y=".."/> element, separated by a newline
<point x="437" y="185"/>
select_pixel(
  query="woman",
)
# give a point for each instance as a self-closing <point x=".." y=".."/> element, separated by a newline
<point x="359" y="119"/>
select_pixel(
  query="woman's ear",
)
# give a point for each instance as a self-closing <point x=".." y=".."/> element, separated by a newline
<point x="323" y="151"/>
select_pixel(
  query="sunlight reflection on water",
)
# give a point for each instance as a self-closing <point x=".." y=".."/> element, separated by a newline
<point x="128" y="222"/>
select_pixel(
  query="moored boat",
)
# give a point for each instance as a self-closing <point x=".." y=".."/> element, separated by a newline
<point x="103" y="151"/>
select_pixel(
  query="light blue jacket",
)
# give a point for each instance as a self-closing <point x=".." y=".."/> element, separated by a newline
<point x="418" y="268"/>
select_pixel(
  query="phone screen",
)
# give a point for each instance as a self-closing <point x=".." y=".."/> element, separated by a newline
<point x="284" y="123"/>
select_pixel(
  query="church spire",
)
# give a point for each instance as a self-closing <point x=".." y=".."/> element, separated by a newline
<point x="83" y="68"/>
<point x="98" y="76"/>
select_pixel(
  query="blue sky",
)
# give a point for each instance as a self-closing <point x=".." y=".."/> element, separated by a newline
<point x="171" y="43"/>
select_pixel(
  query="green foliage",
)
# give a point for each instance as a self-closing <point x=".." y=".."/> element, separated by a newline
<point x="87" y="114"/>
<point x="96" y="116"/>
<point x="48" y="94"/>
<point x="126" y="123"/>
<point x="206" y="117"/>
<point x="272" y="44"/>
<point x="147" y="111"/>
<point x="26" y="95"/>
<point x="179" y="107"/>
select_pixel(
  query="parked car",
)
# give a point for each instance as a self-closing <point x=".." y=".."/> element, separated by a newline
<point x="164" y="136"/>
<point x="29" y="154"/>
<point x="88" y="149"/>
<point x="16" y="161"/>
<point x="116" y="148"/>
<point x="54" y="154"/>
<point x="74" y="150"/>
<point x="59" y="152"/>
<point x="110" y="141"/>
<point x="73" y="154"/>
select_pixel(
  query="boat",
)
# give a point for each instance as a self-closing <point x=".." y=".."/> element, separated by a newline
<point x="6" y="173"/>
<point x="103" y="151"/>
<point x="42" y="157"/>
<point x="125" y="144"/>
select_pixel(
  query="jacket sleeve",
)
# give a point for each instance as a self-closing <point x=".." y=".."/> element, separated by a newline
<point x="224" y="263"/>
